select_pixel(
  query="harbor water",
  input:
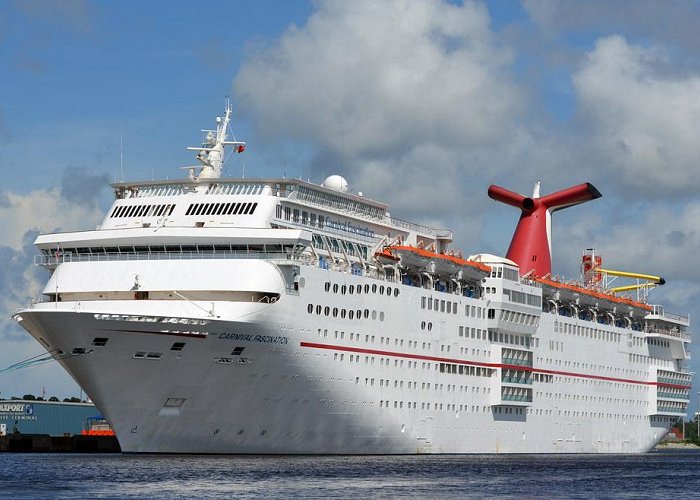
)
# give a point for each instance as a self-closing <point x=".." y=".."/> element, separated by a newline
<point x="671" y="474"/>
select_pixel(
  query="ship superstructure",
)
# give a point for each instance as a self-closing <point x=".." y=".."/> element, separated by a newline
<point x="217" y="315"/>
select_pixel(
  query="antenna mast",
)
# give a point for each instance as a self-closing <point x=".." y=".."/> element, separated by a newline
<point x="211" y="152"/>
<point x="121" y="153"/>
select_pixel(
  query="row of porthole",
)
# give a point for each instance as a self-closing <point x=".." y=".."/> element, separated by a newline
<point x="353" y="289"/>
<point x="345" y="313"/>
<point x="426" y="326"/>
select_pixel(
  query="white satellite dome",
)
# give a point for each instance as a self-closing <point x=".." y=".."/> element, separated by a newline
<point x="336" y="183"/>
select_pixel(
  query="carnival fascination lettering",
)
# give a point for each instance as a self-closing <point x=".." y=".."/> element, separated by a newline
<point x="265" y="339"/>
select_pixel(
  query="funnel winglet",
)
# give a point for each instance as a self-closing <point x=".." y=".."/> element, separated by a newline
<point x="531" y="246"/>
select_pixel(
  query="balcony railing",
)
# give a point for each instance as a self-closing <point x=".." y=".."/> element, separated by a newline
<point x="667" y="332"/>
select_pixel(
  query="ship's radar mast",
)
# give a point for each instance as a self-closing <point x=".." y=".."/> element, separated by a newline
<point x="211" y="152"/>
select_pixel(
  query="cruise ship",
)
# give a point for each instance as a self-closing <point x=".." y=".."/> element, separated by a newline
<point x="279" y="316"/>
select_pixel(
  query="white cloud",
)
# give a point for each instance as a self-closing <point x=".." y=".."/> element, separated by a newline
<point x="644" y="120"/>
<point x="385" y="82"/>
<point x="673" y="23"/>
<point x="21" y="218"/>
<point x="44" y="210"/>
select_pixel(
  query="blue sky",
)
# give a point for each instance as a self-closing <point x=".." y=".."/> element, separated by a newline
<point x="422" y="104"/>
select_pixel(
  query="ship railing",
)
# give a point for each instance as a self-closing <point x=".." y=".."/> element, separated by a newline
<point x="671" y="332"/>
<point x="670" y="395"/>
<point x="659" y="311"/>
<point x="516" y="380"/>
<point x="419" y="228"/>
<point x="673" y="381"/>
<point x="54" y="260"/>
<point x="31" y="303"/>
<point x="514" y="397"/>
<point x="518" y="362"/>
<point x="670" y="409"/>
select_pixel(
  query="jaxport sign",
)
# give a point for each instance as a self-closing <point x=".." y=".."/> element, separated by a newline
<point x="17" y="408"/>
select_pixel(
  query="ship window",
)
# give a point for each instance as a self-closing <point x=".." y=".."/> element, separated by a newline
<point x="327" y="310"/>
<point x="396" y="294"/>
<point x="237" y="351"/>
<point x="295" y="215"/>
<point x="288" y="213"/>
<point x="100" y="341"/>
<point x="381" y="290"/>
<point x="366" y="314"/>
<point x="310" y="308"/>
<point x="374" y="288"/>
<point x="351" y="289"/>
<point x="342" y="313"/>
<point x="141" y="295"/>
<point x="177" y="346"/>
<point x="318" y="309"/>
<point x="335" y="288"/>
<point x="327" y="286"/>
<point x="351" y="314"/>
<point x="343" y="289"/>
<point x="335" y="312"/>
<point x="367" y="288"/>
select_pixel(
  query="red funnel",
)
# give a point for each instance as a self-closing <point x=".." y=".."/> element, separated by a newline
<point x="531" y="244"/>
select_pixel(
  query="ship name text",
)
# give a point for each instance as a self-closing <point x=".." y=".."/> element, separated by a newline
<point x="249" y="337"/>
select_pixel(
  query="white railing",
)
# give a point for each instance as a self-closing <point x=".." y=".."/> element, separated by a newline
<point x="53" y="260"/>
<point x="670" y="332"/>
<point x="659" y="311"/>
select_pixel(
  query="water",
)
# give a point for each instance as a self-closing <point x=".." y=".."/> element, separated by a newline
<point x="654" y="475"/>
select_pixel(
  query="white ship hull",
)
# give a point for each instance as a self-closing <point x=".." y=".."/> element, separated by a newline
<point x="290" y="392"/>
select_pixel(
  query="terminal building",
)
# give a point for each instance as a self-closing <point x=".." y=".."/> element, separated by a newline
<point x="54" y="418"/>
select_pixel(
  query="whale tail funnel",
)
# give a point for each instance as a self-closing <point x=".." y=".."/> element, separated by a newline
<point x="531" y="246"/>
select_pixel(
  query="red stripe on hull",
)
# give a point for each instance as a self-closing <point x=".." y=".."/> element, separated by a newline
<point x="359" y="350"/>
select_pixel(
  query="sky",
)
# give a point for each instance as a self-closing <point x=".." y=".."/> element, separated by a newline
<point x="421" y="104"/>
